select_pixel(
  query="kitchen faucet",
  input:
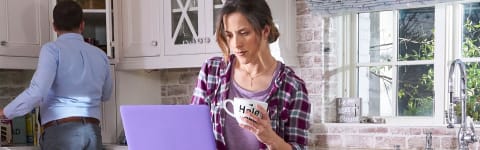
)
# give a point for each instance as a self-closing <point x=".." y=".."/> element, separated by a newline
<point x="465" y="135"/>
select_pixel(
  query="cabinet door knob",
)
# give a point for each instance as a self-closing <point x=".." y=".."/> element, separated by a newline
<point x="3" y="43"/>
<point x="154" y="43"/>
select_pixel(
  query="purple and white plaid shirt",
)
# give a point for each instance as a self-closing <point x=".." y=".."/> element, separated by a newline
<point x="288" y="105"/>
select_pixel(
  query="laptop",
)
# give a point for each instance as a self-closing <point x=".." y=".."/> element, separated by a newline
<point x="168" y="127"/>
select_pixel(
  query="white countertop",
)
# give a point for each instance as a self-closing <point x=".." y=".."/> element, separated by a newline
<point x="105" y="147"/>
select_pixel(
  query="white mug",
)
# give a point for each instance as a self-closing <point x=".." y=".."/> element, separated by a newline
<point x="241" y="106"/>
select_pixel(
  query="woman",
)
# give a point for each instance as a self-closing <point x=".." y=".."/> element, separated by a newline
<point x="248" y="70"/>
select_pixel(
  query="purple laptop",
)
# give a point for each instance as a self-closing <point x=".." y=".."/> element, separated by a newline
<point x="167" y="127"/>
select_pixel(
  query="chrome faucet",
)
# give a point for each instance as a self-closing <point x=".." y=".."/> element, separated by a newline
<point x="465" y="135"/>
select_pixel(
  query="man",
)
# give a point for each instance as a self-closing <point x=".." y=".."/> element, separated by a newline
<point x="71" y="81"/>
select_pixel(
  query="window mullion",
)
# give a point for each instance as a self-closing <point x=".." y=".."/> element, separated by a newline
<point x="442" y="31"/>
<point x="395" y="60"/>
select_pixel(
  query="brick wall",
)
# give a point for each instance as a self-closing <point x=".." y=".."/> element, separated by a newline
<point x="178" y="85"/>
<point x="336" y="136"/>
<point x="12" y="83"/>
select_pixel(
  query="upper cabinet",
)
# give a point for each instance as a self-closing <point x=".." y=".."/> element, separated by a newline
<point x="24" y="27"/>
<point x="189" y="26"/>
<point x="178" y="34"/>
<point x="142" y="28"/>
<point x="182" y="33"/>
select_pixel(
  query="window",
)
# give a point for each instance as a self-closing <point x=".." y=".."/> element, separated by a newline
<point x="471" y="55"/>
<point x="403" y="58"/>
<point x="404" y="54"/>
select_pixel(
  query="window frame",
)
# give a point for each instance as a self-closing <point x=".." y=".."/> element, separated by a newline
<point x="448" y="39"/>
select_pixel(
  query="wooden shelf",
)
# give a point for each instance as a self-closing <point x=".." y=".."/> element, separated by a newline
<point x="94" y="11"/>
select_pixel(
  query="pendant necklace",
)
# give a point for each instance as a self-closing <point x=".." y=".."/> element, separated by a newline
<point x="253" y="77"/>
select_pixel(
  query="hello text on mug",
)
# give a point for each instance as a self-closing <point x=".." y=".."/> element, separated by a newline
<point x="241" y="106"/>
<point x="243" y="109"/>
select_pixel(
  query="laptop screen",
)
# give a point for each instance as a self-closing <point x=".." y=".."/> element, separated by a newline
<point x="158" y="127"/>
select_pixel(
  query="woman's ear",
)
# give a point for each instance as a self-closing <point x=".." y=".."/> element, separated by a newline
<point x="266" y="32"/>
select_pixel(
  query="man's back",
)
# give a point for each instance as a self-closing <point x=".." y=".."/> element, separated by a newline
<point x="81" y="74"/>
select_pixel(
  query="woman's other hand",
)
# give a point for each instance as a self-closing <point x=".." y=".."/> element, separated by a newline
<point x="262" y="129"/>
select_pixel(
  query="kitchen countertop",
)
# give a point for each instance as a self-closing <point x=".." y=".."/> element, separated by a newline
<point x="105" y="147"/>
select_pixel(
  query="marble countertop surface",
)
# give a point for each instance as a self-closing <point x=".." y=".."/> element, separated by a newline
<point x="105" y="147"/>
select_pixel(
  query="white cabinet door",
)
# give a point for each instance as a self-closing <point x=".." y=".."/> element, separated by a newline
<point x="184" y="26"/>
<point x="109" y="116"/>
<point x="212" y="9"/>
<point x="24" y="27"/>
<point x="142" y="28"/>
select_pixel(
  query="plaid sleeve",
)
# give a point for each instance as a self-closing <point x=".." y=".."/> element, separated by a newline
<point x="207" y="81"/>
<point x="298" y="125"/>
<point x="200" y="91"/>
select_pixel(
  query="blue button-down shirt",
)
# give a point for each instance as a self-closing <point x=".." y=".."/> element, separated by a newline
<point x="72" y="79"/>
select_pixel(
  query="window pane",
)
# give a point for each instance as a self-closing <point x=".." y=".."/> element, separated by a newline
<point x="375" y="89"/>
<point x="471" y="48"/>
<point x="415" y="31"/>
<point x="471" y="30"/>
<point x="415" y="90"/>
<point x="473" y="92"/>
<point x="375" y="37"/>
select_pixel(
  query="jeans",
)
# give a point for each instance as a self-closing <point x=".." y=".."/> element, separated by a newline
<point x="72" y="136"/>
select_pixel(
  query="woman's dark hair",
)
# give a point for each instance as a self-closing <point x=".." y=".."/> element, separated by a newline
<point x="258" y="15"/>
<point x="67" y="15"/>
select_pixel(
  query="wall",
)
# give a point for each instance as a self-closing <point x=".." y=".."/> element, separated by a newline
<point x="12" y="83"/>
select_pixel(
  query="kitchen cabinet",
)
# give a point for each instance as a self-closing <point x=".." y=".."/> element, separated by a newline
<point x="142" y="28"/>
<point x="109" y="115"/>
<point x="24" y="27"/>
<point x="99" y="24"/>
<point x="167" y="34"/>
<point x="190" y="26"/>
<point x="182" y="33"/>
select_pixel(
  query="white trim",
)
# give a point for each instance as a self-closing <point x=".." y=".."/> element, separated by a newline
<point x="164" y="62"/>
<point x="109" y="25"/>
<point x="441" y="33"/>
<point x="352" y="26"/>
<point x="398" y="63"/>
<point x="8" y="62"/>
<point x="394" y="67"/>
<point x="340" y="46"/>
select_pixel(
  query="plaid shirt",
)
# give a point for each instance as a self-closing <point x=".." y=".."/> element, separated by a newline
<point x="288" y="105"/>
